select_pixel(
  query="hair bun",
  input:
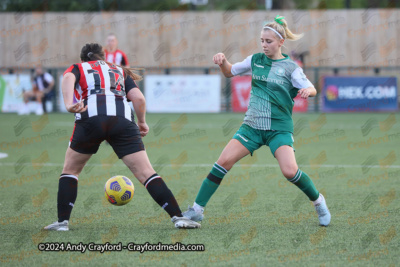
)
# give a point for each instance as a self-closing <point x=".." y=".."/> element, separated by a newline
<point x="90" y="54"/>
<point x="279" y="19"/>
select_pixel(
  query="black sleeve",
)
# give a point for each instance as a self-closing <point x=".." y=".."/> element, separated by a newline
<point x="74" y="69"/>
<point x="129" y="84"/>
<point x="123" y="61"/>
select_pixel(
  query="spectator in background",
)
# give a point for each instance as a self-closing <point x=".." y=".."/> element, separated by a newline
<point x="113" y="54"/>
<point x="42" y="90"/>
<point x="44" y="81"/>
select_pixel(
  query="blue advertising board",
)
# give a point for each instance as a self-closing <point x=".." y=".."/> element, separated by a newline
<point x="359" y="94"/>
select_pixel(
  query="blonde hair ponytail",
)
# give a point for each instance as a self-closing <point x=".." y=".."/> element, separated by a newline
<point x="280" y="25"/>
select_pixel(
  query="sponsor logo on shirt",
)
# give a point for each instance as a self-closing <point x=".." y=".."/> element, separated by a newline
<point x="255" y="64"/>
<point x="265" y="79"/>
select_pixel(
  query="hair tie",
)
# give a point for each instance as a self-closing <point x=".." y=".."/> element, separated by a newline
<point x="279" y="19"/>
<point x="90" y="54"/>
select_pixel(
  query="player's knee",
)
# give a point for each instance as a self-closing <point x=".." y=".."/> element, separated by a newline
<point x="72" y="169"/>
<point x="227" y="164"/>
<point x="289" y="172"/>
<point x="142" y="174"/>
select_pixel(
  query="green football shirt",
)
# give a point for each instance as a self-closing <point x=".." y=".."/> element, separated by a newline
<point x="274" y="84"/>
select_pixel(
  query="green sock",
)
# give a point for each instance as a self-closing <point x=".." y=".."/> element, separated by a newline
<point x="303" y="181"/>
<point x="210" y="184"/>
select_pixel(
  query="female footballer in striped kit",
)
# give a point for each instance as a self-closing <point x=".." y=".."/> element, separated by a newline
<point x="104" y="114"/>
<point x="276" y="80"/>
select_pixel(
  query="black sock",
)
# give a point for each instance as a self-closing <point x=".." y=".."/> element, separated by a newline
<point x="161" y="194"/>
<point x="67" y="192"/>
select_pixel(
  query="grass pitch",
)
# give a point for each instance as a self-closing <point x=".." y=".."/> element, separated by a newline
<point x="255" y="218"/>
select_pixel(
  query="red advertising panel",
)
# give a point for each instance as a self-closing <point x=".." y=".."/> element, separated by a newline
<point x="241" y="87"/>
<point x="300" y="104"/>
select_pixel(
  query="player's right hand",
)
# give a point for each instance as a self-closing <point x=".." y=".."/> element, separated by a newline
<point x="143" y="128"/>
<point x="219" y="59"/>
<point x="77" y="107"/>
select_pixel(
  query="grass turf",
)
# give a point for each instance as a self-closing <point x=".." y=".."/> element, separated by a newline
<point x="255" y="218"/>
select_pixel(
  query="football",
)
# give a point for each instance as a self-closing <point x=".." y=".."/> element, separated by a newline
<point x="119" y="190"/>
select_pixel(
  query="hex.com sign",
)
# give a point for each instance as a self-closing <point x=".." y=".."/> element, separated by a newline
<point x="359" y="94"/>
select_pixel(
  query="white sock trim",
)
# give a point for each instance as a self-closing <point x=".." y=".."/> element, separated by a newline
<point x="296" y="177"/>
<point x="155" y="177"/>
<point x="220" y="168"/>
<point x="198" y="208"/>
<point x="319" y="199"/>
<point x="69" y="176"/>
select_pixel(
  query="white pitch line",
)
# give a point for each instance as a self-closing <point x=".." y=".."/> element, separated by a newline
<point x="213" y="126"/>
<point x="206" y="165"/>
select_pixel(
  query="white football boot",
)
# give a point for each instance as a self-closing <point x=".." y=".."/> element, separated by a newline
<point x="194" y="215"/>
<point x="322" y="210"/>
<point x="58" y="226"/>
<point x="184" y="223"/>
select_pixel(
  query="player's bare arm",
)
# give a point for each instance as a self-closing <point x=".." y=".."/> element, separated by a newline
<point x="139" y="104"/>
<point x="223" y="64"/>
<point x="67" y="87"/>
<point x="307" y="92"/>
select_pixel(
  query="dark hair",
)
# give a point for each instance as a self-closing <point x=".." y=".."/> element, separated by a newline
<point x="94" y="52"/>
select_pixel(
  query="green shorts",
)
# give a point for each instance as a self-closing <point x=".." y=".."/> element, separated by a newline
<point x="253" y="139"/>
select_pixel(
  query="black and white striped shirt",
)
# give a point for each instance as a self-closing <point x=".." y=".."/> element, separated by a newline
<point x="103" y="88"/>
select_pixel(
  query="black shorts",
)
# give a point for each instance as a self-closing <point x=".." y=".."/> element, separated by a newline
<point x="122" y="134"/>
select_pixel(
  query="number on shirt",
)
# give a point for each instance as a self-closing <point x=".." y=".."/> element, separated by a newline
<point x="97" y="83"/>
<point x="116" y="85"/>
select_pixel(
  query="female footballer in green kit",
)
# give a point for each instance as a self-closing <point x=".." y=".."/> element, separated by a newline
<point x="276" y="80"/>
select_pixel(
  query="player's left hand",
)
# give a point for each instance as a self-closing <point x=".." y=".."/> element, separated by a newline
<point x="304" y="93"/>
<point x="77" y="107"/>
<point x="143" y="128"/>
